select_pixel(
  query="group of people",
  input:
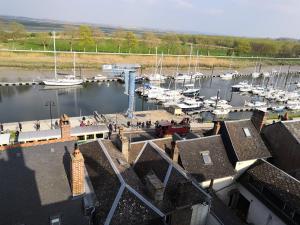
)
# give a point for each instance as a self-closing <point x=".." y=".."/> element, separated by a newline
<point x="146" y="124"/>
<point x="111" y="127"/>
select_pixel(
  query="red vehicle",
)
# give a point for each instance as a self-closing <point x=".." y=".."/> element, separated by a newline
<point x="164" y="128"/>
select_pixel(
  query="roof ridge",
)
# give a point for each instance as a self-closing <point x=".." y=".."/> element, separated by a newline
<point x="177" y="167"/>
<point x="230" y="141"/>
<point x="285" y="173"/>
<point x="114" y="205"/>
<point x="123" y="182"/>
<point x="232" y="121"/>
<point x="199" y="138"/>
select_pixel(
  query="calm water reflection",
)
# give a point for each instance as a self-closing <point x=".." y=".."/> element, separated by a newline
<point x="28" y="102"/>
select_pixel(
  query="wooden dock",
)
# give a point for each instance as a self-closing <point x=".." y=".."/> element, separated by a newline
<point x="31" y="83"/>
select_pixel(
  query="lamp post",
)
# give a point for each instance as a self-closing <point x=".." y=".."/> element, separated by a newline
<point x="50" y="104"/>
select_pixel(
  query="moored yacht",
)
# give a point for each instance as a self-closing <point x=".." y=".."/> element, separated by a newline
<point x="68" y="80"/>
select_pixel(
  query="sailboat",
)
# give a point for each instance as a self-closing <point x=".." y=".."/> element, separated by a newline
<point x="69" y="80"/>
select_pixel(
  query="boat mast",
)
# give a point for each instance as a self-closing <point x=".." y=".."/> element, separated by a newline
<point x="74" y="65"/>
<point x="196" y="65"/>
<point x="190" y="59"/>
<point x="54" y="51"/>
<point x="177" y="71"/>
<point x="156" y="63"/>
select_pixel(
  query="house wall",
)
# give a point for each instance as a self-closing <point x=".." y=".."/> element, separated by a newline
<point x="242" y="166"/>
<point x="199" y="214"/>
<point x="218" y="183"/>
<point x="258" y="213"/>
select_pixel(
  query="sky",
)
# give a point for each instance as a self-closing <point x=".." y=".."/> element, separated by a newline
<point x="251" y="18"/>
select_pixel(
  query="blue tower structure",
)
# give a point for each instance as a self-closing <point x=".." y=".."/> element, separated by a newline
<point x="129" y="79"/>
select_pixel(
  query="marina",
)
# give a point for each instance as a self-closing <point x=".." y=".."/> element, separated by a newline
<point x="196" y="97"/>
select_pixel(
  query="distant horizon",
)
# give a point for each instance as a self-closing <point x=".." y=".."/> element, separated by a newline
<point x="240" y="18"/>
<point x="149" y="29"/>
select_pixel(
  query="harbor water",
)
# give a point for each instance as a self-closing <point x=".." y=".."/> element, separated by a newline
<point x="21" y="103"/>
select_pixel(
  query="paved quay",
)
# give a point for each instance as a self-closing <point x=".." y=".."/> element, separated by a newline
<point x="119" y="119"/>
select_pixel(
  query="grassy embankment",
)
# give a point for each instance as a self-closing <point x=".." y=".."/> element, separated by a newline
<point x="31" y="60"/>
<point x="45" y="60"/>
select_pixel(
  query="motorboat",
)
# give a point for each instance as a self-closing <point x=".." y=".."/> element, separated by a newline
<point x="247" y="88"/>
<point x="255" y="104"/>
<point x="219" y="112"/>
<point x="215" y="98"/>
<point x="255" y="75"/>
<point x="68" y="80"/>
<point x="181" y="76"/>
<point x="265" y="74"/>
<point x="292" y="102"/>
<point x="190" y="104"/>
<point x="156" y="77"/>
<point x="190" y="91"/>
<point x="278" y="108"/>
<point x="293" y="107"/>
<point x="99" y="77"/>
<point x="226" y="76"/>
<point x="237" y="87"/>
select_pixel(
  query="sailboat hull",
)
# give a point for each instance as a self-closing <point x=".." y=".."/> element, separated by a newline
<point x="63" y="82"/>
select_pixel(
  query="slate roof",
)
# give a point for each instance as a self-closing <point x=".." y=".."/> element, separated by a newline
<point x="192" y="161"/>
<point x="34" y="186"/>
<point x="174" y="178"/>
<point x="280" y="189"/>
<point x="117" y="187"/>
<point x="245" y="148"/>
<point x="136" y="147"/>
<point x="293" y="127"/>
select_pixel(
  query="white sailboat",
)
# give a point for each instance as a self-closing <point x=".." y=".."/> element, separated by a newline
<point x="69" y="80"/>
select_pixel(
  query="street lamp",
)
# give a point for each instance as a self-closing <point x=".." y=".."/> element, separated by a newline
<point x="50" y="104"/>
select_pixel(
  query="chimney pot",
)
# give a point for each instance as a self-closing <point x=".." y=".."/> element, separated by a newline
<point x="258" y="119"/>
<point x="65" y="126"/>
<point x="77" y="172"/>
<point x="217" y="127"/>
<point x="155" y="187"/>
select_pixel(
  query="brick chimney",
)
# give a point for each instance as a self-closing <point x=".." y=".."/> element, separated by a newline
<point x="125" y="147"/>
<point x="258" y="119"/>
<point x="77" y="172"/>
<point x="183" y="189"/>
<point x="175" y="156"/>
<point x="155" y="187"/>
<point x="217" y="127"/>
<point x="65" y="127"/>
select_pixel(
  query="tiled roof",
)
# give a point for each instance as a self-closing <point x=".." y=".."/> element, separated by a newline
<point x="294" y="128"/>
<point x="192" y="161"/>
<point x="34" y="186"/>
<point x="246" y="148"/>
<point x="136" y="147"/>
<point x="117" y="187"/>
<point x="174" y="178"/>
<point x="273" y="184"/>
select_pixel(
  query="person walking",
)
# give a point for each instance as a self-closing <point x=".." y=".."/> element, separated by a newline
<point x="110" y="128"/>
<point x="38" y="126"/>
<point x="1" y="128"/>
<point x="20" y="127"/>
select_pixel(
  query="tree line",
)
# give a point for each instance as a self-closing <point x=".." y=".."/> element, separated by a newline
<point x="87" y="38"/>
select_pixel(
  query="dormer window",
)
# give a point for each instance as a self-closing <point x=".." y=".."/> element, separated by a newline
<point x="247" y="132"/>
<point x="206" y="157"/>
<point x="55" y="220"/>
